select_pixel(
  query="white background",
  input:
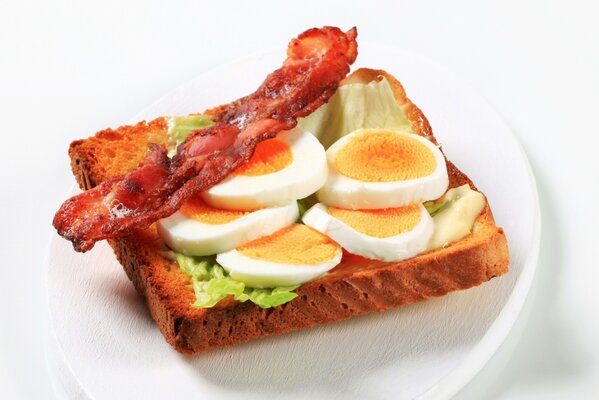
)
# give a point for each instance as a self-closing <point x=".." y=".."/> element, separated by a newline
<point x="70" y="68"/>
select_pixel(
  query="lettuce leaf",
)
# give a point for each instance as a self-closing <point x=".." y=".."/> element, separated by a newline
<point x="304" y="205"/>
<point x="266" y="298"/>
<point x="180" y="127"/>
<point x="208" y="293"/>
<point x="211" y="284"/>
<point x="435" y="208"/>
<point x="355" y="106"/>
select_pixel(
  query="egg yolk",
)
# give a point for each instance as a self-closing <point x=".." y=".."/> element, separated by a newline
<point x="270" y="156"/>
<point x="196" y="209"/>
<point x="297" y="244"/>
<point x="380" y="223"/>
<point x="384" y="156"/>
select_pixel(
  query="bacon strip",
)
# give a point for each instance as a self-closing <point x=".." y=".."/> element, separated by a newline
<point x="317" y="60"/>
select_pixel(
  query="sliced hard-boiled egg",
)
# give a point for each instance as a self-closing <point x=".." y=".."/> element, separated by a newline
<point x="288" y="167"/>
<point x="198" y="229"/>
<point x="391" y="234"/>
<point x="379" y="168"/>
<point x="291" y="256"/>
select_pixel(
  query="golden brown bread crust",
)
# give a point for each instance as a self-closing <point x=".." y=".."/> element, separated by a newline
<point x="355" y="287"/>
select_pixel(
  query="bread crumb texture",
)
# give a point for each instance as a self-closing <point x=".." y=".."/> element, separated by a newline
<point x="114" y="152"/>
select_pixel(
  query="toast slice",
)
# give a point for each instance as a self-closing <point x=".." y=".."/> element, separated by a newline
<point x="356" y="286"/>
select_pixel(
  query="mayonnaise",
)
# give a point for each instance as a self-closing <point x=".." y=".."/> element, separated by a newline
<point x="456" y="220"/>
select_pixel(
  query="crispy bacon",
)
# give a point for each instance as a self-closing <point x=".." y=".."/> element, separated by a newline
<point x="317" y="61"/>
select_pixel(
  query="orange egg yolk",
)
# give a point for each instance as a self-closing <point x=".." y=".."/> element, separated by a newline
<point x="270" y="156"/>
<point x="384" y="156"/>
<point x="196" y="209"/>
<point x="297" y="244"/>
<point x="380" y="223"/>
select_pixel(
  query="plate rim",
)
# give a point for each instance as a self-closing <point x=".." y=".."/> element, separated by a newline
<point x="477" y="356"/>
<point x="459" y="377"/>
<point x="503" y="324"/>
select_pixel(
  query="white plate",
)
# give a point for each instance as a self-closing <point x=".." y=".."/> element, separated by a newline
<point x="105" y="345"/>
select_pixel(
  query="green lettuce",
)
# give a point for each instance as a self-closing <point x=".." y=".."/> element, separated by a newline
<point x="266" y="298"/>
<point x="435" y="208"/>
<point x="180" y="127"/>
<point x="304" y="205"/>
<point x="211" y="284"/>
<point x="355" y="106"/>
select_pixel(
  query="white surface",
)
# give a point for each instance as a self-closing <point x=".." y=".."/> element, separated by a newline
<point x="69" y="69"/>
<point x="427" y="350"/>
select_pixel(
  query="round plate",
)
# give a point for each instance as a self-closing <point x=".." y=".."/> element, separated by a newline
<point x="106" y="346"/>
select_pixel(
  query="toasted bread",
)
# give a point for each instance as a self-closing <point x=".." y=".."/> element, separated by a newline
<point x="354" y="287"/>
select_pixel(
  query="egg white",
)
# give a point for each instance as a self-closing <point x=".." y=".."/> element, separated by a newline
<point x="394" y="248"/>
<point x="306" y="174"/>
<point x="345" y="192"/>
<point x="267" y="274"/>
<point x="195" y="238"/>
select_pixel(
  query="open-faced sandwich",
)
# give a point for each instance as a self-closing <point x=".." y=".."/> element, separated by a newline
<point x="316" y="198"/>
